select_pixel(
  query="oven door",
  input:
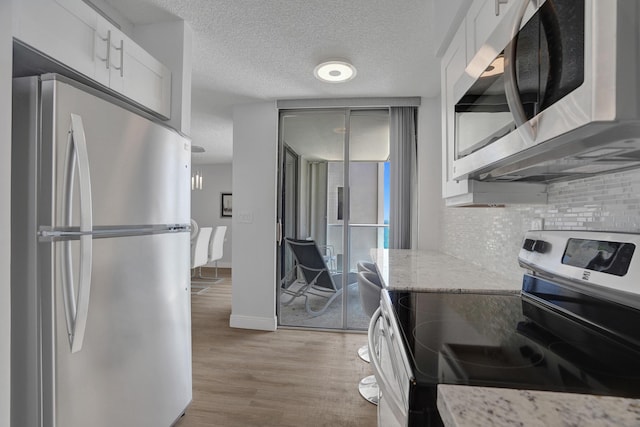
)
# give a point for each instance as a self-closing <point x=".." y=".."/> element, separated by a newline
<point x="390" y="366"/>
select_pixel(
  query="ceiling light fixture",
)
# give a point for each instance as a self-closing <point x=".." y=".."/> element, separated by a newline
<point x="335" y="71"/>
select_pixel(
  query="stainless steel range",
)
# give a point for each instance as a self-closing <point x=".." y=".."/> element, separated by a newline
<point x="573" y="328"/>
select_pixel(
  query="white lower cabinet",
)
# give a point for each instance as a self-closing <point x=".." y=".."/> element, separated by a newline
<point x="75" y="35"/>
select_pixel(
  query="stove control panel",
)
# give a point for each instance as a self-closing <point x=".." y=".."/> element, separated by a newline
<point x="605" y="260"/>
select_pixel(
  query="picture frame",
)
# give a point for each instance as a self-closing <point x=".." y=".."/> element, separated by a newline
<point x="226" y="205"/>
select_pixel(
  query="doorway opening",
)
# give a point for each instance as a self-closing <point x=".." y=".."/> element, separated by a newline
<point x="333" y="195"/>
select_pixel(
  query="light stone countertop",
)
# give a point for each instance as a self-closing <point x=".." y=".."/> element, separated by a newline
<point x="464" y="406"/>
<point x="430" y="271"/>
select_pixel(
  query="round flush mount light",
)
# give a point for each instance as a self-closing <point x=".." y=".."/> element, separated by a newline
<point x="335" y="71"/>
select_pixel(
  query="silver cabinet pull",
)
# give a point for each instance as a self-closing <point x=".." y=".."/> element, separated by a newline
<point x="107" y="58"/>
<point x="77" y="308"/>
<point x="121" y="67"/>
<point x="498" y="3"/>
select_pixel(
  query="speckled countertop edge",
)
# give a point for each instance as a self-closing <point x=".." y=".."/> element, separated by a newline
<point x="466" y="406"/>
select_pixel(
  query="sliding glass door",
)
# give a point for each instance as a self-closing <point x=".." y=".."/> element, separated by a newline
<point x="336" y="204"/>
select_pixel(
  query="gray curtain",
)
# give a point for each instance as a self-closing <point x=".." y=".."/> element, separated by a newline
<point x="403" y="172"/>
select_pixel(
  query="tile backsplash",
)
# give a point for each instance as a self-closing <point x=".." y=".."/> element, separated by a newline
<point x="491" y="237"/>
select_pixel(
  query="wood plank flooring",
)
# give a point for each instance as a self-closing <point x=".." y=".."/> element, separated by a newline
<point x="283" y="378"/>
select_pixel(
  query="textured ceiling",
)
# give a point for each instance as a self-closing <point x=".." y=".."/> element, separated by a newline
<point x="258" y="50"/>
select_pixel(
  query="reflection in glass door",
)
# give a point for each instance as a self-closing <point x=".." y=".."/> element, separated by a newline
<point x="368" y="170"/>
<point x="336" y="202"/>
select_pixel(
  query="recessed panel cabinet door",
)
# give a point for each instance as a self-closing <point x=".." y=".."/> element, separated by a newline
<point x="144" y="79"/>
<point x="63" y="30"/>
<point x="76" y="36"/>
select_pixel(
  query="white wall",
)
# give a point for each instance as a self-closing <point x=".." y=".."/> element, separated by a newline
<point x="5" y="209"/>
<point x="430" y="203"/>
<point x="255" y="138"/>
<point x="205" y="203"/>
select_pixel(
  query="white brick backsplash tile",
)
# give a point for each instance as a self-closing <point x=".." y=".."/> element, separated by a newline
<point x="491" y="237"/>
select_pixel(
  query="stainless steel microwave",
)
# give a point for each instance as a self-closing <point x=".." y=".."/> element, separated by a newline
<point x="553" y="94"/>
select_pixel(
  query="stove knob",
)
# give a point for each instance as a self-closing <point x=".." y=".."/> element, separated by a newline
<point x="528" y="244"/>
<point x="541" y="246"/>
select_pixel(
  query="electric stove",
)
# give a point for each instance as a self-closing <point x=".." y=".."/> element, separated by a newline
<point x="573" y="328"/>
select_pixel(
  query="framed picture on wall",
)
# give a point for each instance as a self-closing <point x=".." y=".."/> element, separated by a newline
<point x="226" y="206"/>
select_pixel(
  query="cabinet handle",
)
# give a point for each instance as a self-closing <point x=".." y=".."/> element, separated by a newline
<point x="498" y="3"/>
<point x="121" y="67"/>
<point x="107" y="60"/>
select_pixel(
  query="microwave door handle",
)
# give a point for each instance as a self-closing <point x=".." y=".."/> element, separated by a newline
<point x="527" y="129"/>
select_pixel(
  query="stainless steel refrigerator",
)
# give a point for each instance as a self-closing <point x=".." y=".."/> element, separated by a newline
<point x="100" y="261"/>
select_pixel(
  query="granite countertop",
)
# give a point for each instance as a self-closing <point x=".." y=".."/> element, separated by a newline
<point x="430" y="271"/>
<point x="464" y="406"/>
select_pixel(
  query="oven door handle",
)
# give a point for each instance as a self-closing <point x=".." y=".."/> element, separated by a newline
<point x="386" y="393"/>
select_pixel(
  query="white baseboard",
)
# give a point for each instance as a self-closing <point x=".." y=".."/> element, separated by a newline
<point x="251" y="322"/>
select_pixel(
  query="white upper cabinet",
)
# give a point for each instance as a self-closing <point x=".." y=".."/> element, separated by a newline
<point x="482" y="18"/>
<point x="452" y="66"/>
<point x="143" y="78"/>
<point x="65" y="34"/>
<point x="75" y="35"/>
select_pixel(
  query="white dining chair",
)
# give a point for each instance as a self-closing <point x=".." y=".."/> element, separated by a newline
<point x="215" y="253"/>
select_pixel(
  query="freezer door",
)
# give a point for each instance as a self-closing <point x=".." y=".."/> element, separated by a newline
<point x="138" y="171"/>
<point x="134" y="367"/>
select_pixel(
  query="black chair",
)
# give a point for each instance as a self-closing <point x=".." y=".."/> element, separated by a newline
<point x="313" y="277"/>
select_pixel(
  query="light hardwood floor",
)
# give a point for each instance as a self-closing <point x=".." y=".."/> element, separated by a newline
<point x="283" y="378"/>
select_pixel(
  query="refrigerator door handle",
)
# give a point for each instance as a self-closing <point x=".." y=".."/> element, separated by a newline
<point x="77" y="305"/>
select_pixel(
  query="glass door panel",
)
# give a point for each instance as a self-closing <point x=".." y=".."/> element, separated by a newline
<point x="317" y="138"/>
<point x="368" y="168"/>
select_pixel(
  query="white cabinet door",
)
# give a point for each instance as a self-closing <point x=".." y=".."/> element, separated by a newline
<point x="482" y="19"/>
<point x="454" y="62"/>
<point x="144" y="79"/>
<point x="75" y="35"/>
<point x="130" y="70"/>
<point x="63" y="30"/>
<point x="103" y="41"/>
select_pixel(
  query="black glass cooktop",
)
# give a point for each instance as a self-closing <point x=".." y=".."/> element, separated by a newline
<point x="505" y="340"/>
